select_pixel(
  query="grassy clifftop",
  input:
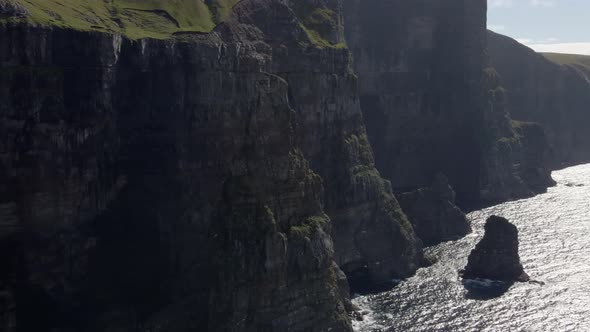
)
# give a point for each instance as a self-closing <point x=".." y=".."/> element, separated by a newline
<point x="133" y="18"/>
<point x="160" y="19"/>
<point x="581" y="62"/>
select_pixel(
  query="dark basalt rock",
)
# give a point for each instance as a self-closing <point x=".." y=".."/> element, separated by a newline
<point x="225" y="181"/>
<point x="161" y="184"/>
<point x="539" y="90"/>
<point x="430" y="101"/>
<point x="173" y="185"/>
<point x="420" y="88"/>
<point x="9" y="8"/>
<point x="518" y="160"/>
<point x="373" y="240"/>
<point x="433" y="213"/>
<point x="496" y="257"/>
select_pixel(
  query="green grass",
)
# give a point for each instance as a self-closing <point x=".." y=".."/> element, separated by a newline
<point x="133" y="18"/>
<point x="160" y="19"/>
<point x="581" y="62"/>
<point x="517" y="131"/>
<point x="317" y="22"/>
<point x="309" y="226"/>
<point x="220" y="9"/>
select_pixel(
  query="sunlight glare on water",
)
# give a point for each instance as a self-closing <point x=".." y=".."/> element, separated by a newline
<point x="554" y="233"/>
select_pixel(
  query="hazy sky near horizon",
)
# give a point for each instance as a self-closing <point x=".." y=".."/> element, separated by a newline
<point x="561" y="26"/>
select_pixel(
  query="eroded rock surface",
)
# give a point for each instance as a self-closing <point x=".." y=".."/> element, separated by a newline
<point x="428" y="98"/>
<point x="161" y="185"/>
<point x="555" y="96"/>
<point x="225" y="181"/>
<point x="496" y="256"/>
<point x="191" y="183"/>
<point x="433" y="213"/>
<point x="11" y="9"/>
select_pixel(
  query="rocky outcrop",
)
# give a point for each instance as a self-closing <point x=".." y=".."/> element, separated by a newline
<point x="374" y="241"/>
<point x="428" y="100"/>
<point x="160" y="185"/>
<point x="10" y="8"/>
<point x="555" y="96"/>
<point x="433" y="213"/>
<point x="418" y="82"/>
<point x="496" y="257"/>
<point x="518" y="159"/>
<point x="191" y="183"/>
<point x="224" y="179"/>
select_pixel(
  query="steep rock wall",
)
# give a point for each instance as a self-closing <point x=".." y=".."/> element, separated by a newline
<point x="538" y="90"/>
<point x="157" y="185"/>
<point x="517" y="162"/>
<point x="425" y="96"/>
<point x="374" y="241"/>
<point x="190" y="183"/>
<point x="433" y="212"/>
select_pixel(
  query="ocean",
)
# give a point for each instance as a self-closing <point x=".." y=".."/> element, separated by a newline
<point x="554" y="234"/>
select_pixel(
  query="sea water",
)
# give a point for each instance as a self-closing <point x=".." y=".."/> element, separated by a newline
<point x="554" y="234"/>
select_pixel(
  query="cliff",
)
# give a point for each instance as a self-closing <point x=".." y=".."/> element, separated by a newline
<point x="159" y="188"/>
<point x="192" y="182"/>
<point x="433" y="212"/>
<point x="182" y="165"/>
<point x="554" y="95"/>
<point x="427" y="94"/>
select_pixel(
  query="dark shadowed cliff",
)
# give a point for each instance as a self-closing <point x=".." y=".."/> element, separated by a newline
<point x="542" y="91"/>
<point x="157" y="185"/>
<point x="172" y="166"/>
<point x="429" y="100"/>
<point x="184" y="183"/>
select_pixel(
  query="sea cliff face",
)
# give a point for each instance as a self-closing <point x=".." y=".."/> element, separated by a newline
<point x="191" y="183"/>
<point x="159" y="185"/>
<point x="539" y="90"/>
<point x="220" y="175"/>
<point x="425" y="94"/>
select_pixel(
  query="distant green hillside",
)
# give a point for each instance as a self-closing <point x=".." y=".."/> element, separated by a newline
<point x="133" y="18"/>
<point x="581" y="62"/>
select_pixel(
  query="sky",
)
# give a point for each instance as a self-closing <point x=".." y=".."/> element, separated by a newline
<point x="561" y="26"/>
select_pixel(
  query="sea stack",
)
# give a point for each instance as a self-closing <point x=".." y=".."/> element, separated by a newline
<point x="496" y="257"/>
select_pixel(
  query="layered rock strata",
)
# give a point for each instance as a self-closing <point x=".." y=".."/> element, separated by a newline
<point x="374" y="241"/>
<point x="181" y="184"/>
<point x="555" y="96"/>
<point x="425" y="94"/>
<point x="518" y="159"/>
<point x="224" y="180"/>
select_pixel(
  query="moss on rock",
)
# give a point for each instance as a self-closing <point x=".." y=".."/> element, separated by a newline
<point x="318" y="22"/>
<point x="220" y="9"/>
<point x="309" y="226"/>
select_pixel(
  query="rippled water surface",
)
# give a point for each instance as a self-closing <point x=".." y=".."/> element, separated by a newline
<point x="554" y="232"/>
